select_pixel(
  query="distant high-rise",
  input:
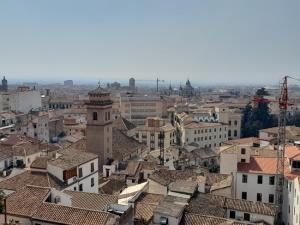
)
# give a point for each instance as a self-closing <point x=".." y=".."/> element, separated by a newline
<point x="132" y="83"/>
<point x="68" y="82"/>
<point x="4" y="86"/>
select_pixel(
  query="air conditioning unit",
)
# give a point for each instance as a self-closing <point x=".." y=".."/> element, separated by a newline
<point x="57" y="199"/>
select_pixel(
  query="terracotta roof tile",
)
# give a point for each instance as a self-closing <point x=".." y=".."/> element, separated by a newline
<point x="31" y="178"/>
<point x="123" y="146"/>
<point x="252" y="207"/>
<point x="70" y="158"/>
<point x="197" y="219"/>
<point x="26" y="201"/>
<point x="263" y="165"/>
<point x="39" y="163"/>
<point x="91" y="201"/>
<point x="70" y="216"/>
<point x="206" y="204"/>
<point x="292" y="152"/>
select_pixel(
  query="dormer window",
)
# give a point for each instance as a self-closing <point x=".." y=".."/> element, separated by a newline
<point x="95" y="116"/>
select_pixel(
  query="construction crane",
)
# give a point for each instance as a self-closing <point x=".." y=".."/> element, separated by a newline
<point x="281" y="138"/>
<point x="157" y="81"/>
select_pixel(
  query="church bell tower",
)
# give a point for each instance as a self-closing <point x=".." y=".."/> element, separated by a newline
<point x="99" y="125"/>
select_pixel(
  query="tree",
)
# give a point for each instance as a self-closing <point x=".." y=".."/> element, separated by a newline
<point x="257" y="117"/>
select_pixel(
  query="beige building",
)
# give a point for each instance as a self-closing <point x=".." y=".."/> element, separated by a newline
<point x="136" y="108"/>
<point x="206" y="135"/>
<point x="150" y="133"/>
<point x="233" y="119"/>
<point x="4" y="102"/>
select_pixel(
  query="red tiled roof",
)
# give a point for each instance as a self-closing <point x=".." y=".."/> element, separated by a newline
<point x="265" y="165"/>
<point x="292" y="152"/>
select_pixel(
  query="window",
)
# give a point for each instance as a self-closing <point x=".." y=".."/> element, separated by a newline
<point x="235" y="133"/>
<point x="229" y="133"/>
<point x="245" y="178"/>
<point x="258" y="197"/>
<point x="247" y="216"/>
<point x="271" y="198"/>
<point x="296" y="164"/>
<point x="243" y="151"/>
<point x="92" y="182"/>
<point x="95" y="116"/>
<point x="232" y="214"/>
<point x="92" y="167"/>
<point x="235" y="122"/>
<point x="229" y="122"/>
<point x="272" y="180"/>
<point x="80" y="187"/>
<point x="80" y="172"/>
<point x="244" y="195"/>
<point x="259" y="179"/>
<point x="243" y="160"/>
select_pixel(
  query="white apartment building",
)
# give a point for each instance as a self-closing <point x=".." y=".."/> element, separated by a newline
<point x="150" y="133"/>
<point x="254" y="176"/>
<point x="256" y="180"/>
<point x="136" y="108"/>
<point x="291" y="190"/>
<point x="24" y="100"/>
<point x="207" y="135"/>
<point x="77" y="169"/>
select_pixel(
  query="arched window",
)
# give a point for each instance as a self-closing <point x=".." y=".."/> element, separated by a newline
<point x="95" y="116"/>
<point x="229" y="133"/>
<point x="235" y="133"/>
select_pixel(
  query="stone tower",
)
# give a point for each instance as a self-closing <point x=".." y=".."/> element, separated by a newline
<point x="99" y="125"/>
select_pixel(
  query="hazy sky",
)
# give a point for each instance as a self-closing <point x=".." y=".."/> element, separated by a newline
<point x="225" y="41"/>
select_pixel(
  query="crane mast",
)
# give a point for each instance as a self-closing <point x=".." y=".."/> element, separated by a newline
<point x="283" y="104"/>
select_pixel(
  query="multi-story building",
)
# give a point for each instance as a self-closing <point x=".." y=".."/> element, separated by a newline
<point x="231" y="117"/>
<point x="291" y="189"/>
<point x="39" y="125"/>
<point x="206" y="135"/>
<point x="136" y="108"/>
<point x="253" y="169"/>
<point x="269" y="134"/>
<point x="77" y="169"/>
<point x="150" y="133"/>
<point x="4" y="102"/>
<point x="24" y="100"/>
